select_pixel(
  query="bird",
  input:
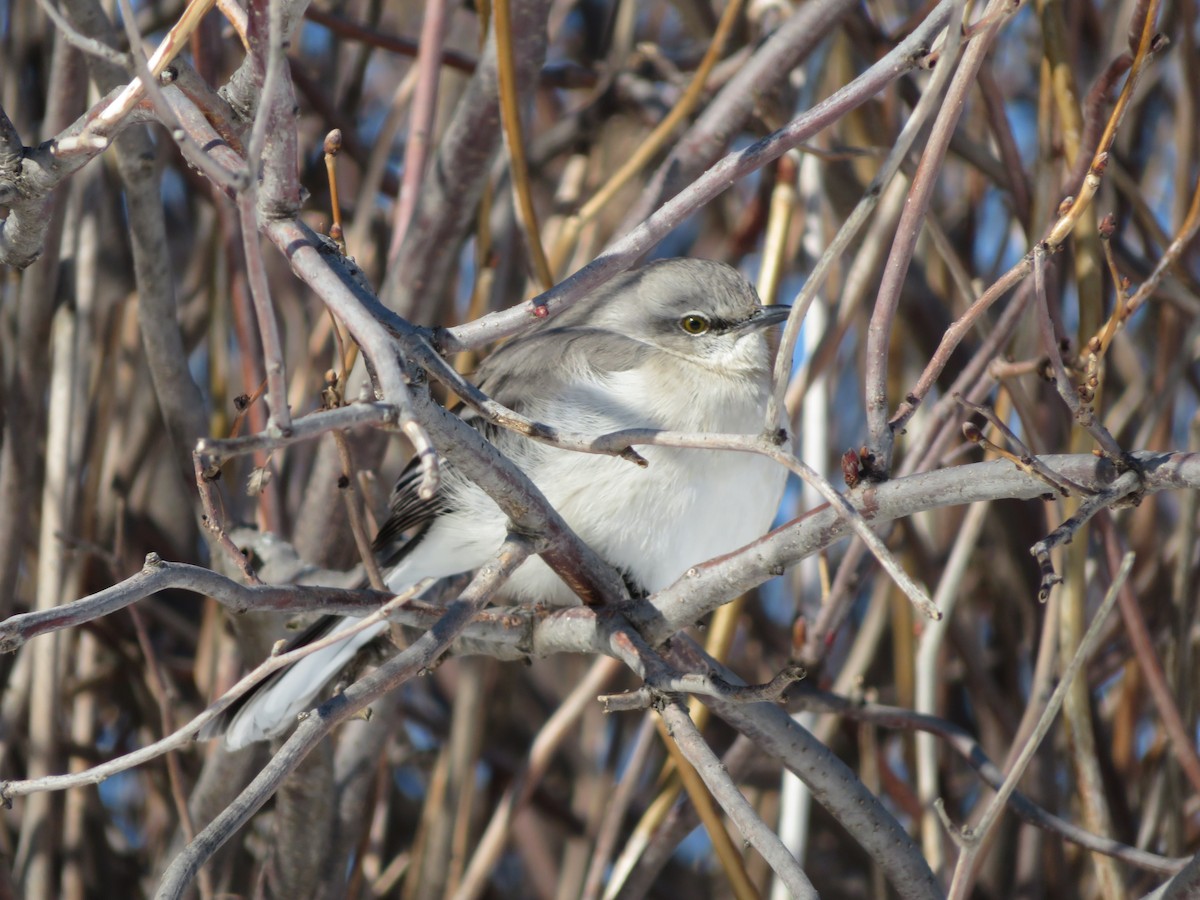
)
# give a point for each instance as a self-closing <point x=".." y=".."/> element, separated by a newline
<point x="675" y="345"/>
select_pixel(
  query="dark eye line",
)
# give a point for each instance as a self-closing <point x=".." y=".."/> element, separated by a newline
<point x="720" y="326"/>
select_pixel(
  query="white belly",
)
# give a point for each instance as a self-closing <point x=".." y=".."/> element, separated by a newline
<point x="686" y="507"/>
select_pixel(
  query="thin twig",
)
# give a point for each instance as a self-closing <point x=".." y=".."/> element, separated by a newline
<point x="1027" y="461"/>
<point x="170" y="47"/>
<point x="264" y="311"/>
<point x="1084" y="414"/>
<point x="1125" y="485"/>
<point x="677" y="737"/>
<point x="972" y="839"/>
<point x="82" y="41"/>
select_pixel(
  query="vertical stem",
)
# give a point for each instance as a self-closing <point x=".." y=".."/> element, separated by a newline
<point x="264" y="311"/>
<point x="421" y="120"/>
<point x="38" y="846"/>
<point x="510" y="105"/>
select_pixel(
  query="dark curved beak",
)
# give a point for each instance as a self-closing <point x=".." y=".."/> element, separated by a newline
<point x="765" y="317"/>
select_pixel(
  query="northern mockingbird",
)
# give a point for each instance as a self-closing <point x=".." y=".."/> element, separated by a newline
<point x="676" y="345"/>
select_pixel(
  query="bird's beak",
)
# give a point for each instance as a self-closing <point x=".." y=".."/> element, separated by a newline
<point x="765" y="317"/>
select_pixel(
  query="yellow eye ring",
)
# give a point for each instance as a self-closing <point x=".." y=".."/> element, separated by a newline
<point x="693" y="323"/>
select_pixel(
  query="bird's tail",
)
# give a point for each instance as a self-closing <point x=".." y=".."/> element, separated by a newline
<point x="271" y="707"/>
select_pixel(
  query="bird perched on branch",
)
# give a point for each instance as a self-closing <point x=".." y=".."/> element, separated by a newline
<point x="676" y="345"/>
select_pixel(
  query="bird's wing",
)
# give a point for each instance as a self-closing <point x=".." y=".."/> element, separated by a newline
<point x="521" y="375"/>
<point x="534" y="367"/>
<point x="409" y="512"/>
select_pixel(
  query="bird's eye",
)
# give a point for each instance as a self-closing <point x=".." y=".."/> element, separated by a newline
<point x="694" y="323"/>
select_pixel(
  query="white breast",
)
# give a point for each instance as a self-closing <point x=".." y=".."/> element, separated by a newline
<point x="686" y="507"/>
